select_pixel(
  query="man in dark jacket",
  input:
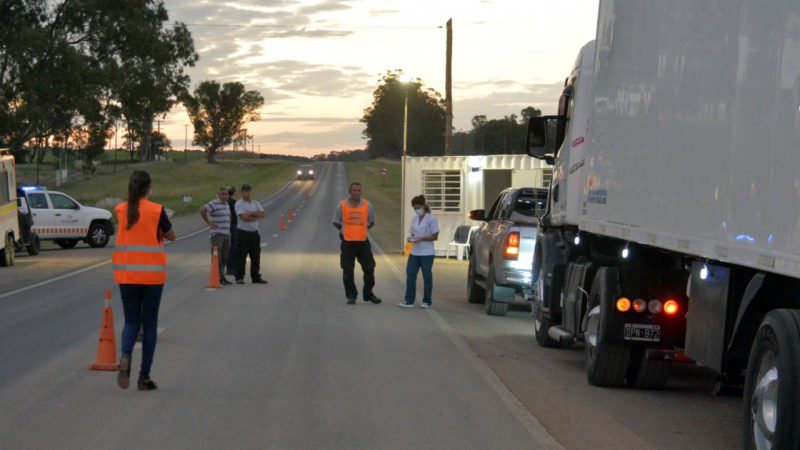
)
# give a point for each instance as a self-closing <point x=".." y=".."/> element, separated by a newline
<point x="232" y="255"/>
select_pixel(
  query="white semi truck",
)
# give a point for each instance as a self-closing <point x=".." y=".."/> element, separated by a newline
<point x="673" y="224"/>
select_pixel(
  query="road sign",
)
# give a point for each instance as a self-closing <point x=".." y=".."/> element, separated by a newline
<point x="384" y="172"/>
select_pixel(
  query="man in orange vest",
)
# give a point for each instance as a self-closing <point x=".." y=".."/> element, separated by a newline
<point x="353" y="218"/>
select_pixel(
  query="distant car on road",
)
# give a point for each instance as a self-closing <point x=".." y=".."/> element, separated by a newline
<point x="60" y="218"/>
<point x="305" y="172"/>
<point x="501" y="251"/>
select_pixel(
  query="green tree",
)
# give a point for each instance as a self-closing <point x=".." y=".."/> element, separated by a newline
<point x="219" y="113"/>
<point x="385" y="117"/>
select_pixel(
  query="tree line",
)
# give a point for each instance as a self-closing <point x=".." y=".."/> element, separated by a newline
<point x="384" y="122"/>
<point x="72" y="70"/>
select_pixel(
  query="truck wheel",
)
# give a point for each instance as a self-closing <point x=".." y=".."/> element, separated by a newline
<point x="7" y="255"/>
<point x="644" y="374"/>
<point x="35" y="246"/>
<point x="66" y="243"/>
<point x="475" y="293"/>
<point x="606" y="363"/>
<point x="772" y="386"/>
<point x="541" y="321"/>
<point x="98" y="235"/>
<point x="494" y="308"/>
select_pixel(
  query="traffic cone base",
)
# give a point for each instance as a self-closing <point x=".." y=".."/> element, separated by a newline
<point x="213" y="278"/>
<point x="106" y="347"/>
<point x="282" y="224"/>
<point x="291" y="215"/>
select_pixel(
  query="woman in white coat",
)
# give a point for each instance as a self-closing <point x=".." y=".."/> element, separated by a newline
<point x="422" y="233"/>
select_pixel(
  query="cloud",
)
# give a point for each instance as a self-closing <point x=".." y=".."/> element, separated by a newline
<point x="499" y="104"/>
<point x="325" y="6"/>
<point x="304" y="78"/>
<point x="382" y="12"/>
<point x="344" y="136"/>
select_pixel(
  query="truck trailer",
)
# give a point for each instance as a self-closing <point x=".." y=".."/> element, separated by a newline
<point x="673" y="225"/>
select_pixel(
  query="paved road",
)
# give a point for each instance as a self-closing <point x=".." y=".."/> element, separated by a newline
<point x="289" y="365"/>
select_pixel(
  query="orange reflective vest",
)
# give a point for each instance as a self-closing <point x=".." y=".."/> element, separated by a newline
<point x="354" y="221"/>
<point x="139" y="256"/>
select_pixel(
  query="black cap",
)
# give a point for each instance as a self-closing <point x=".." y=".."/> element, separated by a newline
<point x="246" y="187"/>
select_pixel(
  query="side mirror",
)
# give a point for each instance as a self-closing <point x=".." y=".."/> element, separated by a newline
<point x="478" y="214"/>
<point x="544" y="136"/>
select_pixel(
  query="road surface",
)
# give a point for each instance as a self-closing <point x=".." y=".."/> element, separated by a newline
<point x="290" y="365"/>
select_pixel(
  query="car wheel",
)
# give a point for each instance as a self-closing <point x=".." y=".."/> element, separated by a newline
<point x="772" y="386"/>
<point x="98" y="235"/>
<point x="475" y="293"/>
<point x="35" y="245"/>
<point x="541" y="320"/>
<point x="494" y="308"/>
<point x="66" y="243"/>
<point x="7" y="255"/>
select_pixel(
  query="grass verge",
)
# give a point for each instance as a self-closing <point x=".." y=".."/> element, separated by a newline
<point x="198" y="179"/>
<point x="385" y="198"/>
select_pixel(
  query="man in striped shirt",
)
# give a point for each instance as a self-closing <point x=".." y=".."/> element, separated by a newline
<point x="217" y="214"/>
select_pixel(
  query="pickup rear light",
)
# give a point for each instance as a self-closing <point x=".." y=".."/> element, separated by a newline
<point x="511" y="250"/>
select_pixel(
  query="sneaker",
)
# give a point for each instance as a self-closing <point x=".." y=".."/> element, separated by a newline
<point x="260" y="281"/>
<point x="373" y="299"/>
<point x="351" y="300"/>
<point x="426" y="305"/>
<point x="405" y="305"/>
<point x="124" y="375"/>
<point x="225" y="282"/>
<point x="240" y="281"/>
<point x="147" y="384"/>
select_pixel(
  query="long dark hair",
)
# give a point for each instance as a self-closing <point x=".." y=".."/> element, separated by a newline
<point x="137" y="188"/>
<point x="420" y="201"/>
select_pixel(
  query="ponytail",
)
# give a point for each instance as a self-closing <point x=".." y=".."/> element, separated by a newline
<point x="137" y="188"/>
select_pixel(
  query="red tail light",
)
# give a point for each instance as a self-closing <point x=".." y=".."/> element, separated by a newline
<point x="511" y="250"/>
<point x="671" y="307"/>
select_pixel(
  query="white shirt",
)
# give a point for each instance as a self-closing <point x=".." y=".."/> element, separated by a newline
<point x="420" y="229"/>
<point x="242" y="207"/>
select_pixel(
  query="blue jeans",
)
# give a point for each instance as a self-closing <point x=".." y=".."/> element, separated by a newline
<point x="412" y="268"/>
<point x="141" y="303"/>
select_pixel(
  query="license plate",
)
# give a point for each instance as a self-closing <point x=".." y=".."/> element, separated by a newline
<point x="639" y="332"/>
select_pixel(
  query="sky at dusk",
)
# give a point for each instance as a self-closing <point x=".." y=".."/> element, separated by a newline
<point x="317" y="62"/>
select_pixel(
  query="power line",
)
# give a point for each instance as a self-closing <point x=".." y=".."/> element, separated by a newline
<point x="325" y="28"/>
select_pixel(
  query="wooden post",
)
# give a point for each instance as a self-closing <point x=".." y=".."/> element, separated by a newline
<point x="448" y="88"/>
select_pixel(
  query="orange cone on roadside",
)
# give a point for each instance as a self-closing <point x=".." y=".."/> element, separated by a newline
<point x="282" y="224"/>
<point x="291" y="215"/>
<point x="213" y="279"/>
<point x="106" y="347"/>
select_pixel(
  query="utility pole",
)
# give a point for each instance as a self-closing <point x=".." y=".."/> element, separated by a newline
<point x="185" y="139"/>
<point x="116" y="126"/>
<point x="448" y="89"/>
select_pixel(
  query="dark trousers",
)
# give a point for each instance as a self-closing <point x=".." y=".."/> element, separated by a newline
<point x="233" y="255"/>
<point x="140" y="303"/>
<point x="249" y="245"/>
<point x="415" y="263"/>
<point x="223" y="244"/>
<point x="361" y="251"/>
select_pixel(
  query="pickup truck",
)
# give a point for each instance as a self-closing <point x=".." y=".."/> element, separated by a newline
<point x="501" y="249"/>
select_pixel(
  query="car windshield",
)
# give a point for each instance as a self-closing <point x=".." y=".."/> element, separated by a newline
<point x="529" y="207"/>
<point x="306" y="168"/>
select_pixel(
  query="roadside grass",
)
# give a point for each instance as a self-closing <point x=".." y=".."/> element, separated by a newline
<point x="196" y="178"/>
<point x="385" y="198"/>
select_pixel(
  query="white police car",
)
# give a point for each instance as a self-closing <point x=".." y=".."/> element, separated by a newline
<point x="60" y="218"/>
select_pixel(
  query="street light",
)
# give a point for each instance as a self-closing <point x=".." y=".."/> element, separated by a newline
<point x="406" y="81"/>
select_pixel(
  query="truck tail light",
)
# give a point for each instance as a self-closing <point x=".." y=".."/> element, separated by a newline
<point x="639" y="305"/>
<point x="671" y="307"/>
<point x="655" y="306"/>
<point x="623" y="305"/>
<point x="511" y="250"/>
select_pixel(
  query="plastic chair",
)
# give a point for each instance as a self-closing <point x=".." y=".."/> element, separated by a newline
<point x="460" y="241"/>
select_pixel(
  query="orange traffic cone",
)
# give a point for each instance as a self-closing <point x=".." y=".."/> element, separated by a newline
<point x="282" y="224"/>
<point x="291" y="215"/>
<point x="213" y="279"/>
<point x="106" y="347"/>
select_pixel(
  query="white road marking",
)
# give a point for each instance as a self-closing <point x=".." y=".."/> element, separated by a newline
<point x="138" y="345"/>
<point x="263" y="245"/>
<point x="274" y="235"/>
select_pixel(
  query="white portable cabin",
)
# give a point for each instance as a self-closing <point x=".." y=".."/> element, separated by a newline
<point x="455" y="185"/>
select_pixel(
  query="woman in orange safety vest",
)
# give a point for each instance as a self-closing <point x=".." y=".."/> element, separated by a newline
<point x="140" y="270"/>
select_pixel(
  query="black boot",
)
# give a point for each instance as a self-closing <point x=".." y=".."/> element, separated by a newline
<point x="146" y="384"/>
